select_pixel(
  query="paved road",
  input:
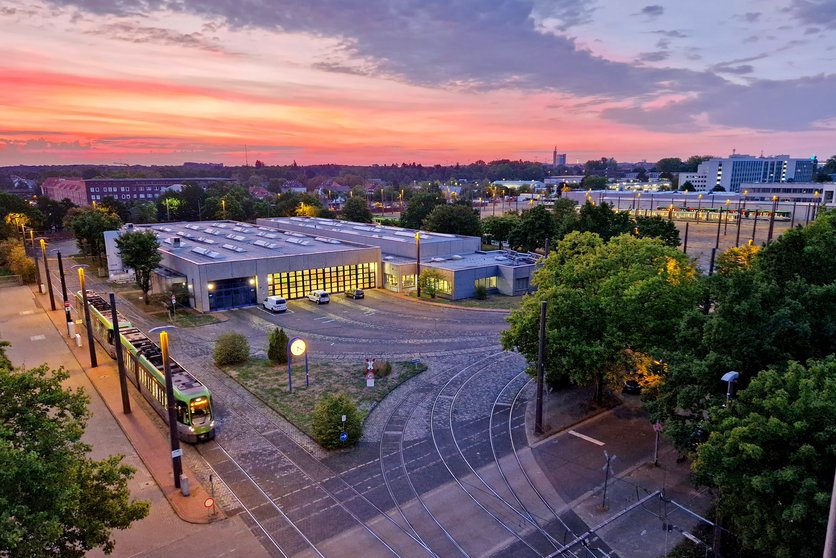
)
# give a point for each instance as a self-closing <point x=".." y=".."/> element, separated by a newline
<point x="444" y="468"/>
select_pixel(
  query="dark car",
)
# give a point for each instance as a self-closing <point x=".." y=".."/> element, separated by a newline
<point x="355" y="294"/>
<point x="632" y="387"/>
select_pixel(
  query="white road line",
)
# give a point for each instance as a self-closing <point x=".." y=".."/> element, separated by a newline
<point x="587" y="438"/>
<point x="26" y="312"/>
<point x="37" y="338"/>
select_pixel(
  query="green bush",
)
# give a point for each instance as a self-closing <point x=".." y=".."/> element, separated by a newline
<point x="277" y="346"/>
<point x="384" y="370"/>
<point x="231" y="348"/>
<point x="481" y="292"/>
<point x="328" y="425"/>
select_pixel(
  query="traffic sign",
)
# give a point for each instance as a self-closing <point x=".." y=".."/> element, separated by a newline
<point x="209" y="503"/>
<point x="67" y="304"/>
<point x="173" y="299"/>
<point x="370" y="378"/>
<point x="343" y="436"/>
<point x="177" y="453"/>
<point x="657" y="426"/>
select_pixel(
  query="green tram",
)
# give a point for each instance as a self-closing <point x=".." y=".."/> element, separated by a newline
<point x="144" y="368"/>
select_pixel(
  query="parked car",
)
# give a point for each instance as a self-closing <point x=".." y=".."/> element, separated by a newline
<point x="320" y="297"/>
<point x="355" y="293"/>
<point x="632" y="387"/>
<point x="275" y="304"/>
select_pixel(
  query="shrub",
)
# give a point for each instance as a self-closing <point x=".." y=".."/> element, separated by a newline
<point x="481" y="292"/>
<point x="277" y="346"/>
<point x="383" y="370"/>
<point x="231" y="348"/>
<point x="19" y="263"/>
<point x="327" y="421"/>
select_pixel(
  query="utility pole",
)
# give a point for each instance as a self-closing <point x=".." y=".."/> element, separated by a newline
<point x="120" y="361"/>
<point x="538" y="413"/>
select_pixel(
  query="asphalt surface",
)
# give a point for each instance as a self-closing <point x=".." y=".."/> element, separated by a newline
<point x="445" y="467"/>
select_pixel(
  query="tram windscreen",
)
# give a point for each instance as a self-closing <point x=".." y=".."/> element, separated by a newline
<point x="200" y="410"/>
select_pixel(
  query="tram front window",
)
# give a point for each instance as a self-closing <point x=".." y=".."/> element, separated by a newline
<point x="201" y="413"/>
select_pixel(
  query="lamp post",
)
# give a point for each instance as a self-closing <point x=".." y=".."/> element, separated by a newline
<point x="730" y="378"/>
<point x="176" y="452"/>
<point x="93" y="361"/>
<point x="46" y="272"/>
<point x="541" y="370"/>
<point x="296" y="347"/>
<point x="772" y="219"/>
<point x="418" y="261"/>
<point x="223" y="206"/>
<point x="719" y="222"/>
<point x="699" y="206"/>
<point x="64" y="292"/>
<point x="120" y="361"/>
<point x="815" y="204"/>
<point x="726" y="226"/>
<point x="638" y="202"/>
<point x="755" y="224"/>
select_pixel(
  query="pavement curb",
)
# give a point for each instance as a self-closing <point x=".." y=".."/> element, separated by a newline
<point x="454" y="306"/>
<point x="149" y="445"/>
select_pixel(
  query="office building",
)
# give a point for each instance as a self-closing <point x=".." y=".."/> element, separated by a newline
<point x="86" y="191"/>
<point x="730" y="173"/>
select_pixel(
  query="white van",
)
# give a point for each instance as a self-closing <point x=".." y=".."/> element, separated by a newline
<point x="275" y="304"/>
<point x="320" y="297"/>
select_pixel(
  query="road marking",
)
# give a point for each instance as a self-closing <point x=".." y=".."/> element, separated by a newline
<point x="26" y="312"/>
<point x="328" y="321"/>
<point x="37" y="338"/>
<point x="587" y="438"/>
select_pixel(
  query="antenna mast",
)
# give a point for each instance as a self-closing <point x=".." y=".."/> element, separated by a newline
<point x="246" y="157"/>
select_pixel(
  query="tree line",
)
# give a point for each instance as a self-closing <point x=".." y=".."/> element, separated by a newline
<point x="635" y="308"/>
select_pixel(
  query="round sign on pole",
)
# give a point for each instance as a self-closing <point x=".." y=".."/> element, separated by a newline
<point x="297" y="347"/>
<point x="67" y="304"/>
<point x="657" y="427"/>
<point x="343" y="436"/>
<point x="209" y="503"/>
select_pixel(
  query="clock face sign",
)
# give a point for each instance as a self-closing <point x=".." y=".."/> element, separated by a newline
<point x="297" y="347"/>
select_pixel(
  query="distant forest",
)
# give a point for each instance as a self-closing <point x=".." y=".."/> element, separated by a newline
<point x="396" y="175"/>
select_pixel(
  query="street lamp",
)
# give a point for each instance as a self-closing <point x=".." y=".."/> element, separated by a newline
<point x="120" y="361"/>
<point x="772" y="219"/>
<point x="296" y="347"/>
<point x="730" y="378"/>
<point x="64" y="293"/>
<point x="726" y="226"/>
<point x="93" y="361"/>
<point x="699" y="206"/>
<point x="46" y="272"/>
<point x="418" y="261"/>
<point x="176" y="452"/>
<point x="223" y="206"/>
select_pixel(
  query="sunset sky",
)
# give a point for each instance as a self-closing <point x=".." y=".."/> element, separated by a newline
<point x="430" y="81"/>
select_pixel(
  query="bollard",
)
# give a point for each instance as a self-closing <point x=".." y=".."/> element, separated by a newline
<point x="184" y="485"/>
<point x="78" y="340"/>
<point x="71" y="329"/>
<point x="43" y="288"/>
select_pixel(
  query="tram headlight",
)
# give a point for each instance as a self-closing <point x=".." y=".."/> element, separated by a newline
<point x="212" y="424"/>
<point x="191" y="429"/>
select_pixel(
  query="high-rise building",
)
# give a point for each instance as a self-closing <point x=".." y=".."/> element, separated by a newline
<point x="730" y="173"/>
<point x="558" y="159"/>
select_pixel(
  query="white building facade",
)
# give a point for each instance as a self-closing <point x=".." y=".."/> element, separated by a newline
<point x="730" y="173"/>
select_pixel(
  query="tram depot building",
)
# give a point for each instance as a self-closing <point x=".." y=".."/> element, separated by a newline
<point x="227" y="264"/>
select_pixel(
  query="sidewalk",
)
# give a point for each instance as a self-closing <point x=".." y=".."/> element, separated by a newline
<point x="640" y="532"/>
<point x="153" y="449"/>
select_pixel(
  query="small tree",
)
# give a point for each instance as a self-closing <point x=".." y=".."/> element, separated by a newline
<point x="54" y="499"/>
<point x="140" y="251"/>
<point x="453" y="219"/>
<point x="428" y="280"/>
<point x="277" y="346"/>
<point x="481" y="292"/>
<point x="357" y="209"/>
<point x="328" y="425"/>
<point x="231" y="348"/>
<point x="89" y="225"/>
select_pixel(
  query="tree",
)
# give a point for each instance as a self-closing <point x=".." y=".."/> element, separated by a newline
<point x="115" y="206"/>
<point x="357" y="209"/>
<point x="140" y="251"/>
<point x="658" y="227"/>
<point x="277" y="346"/>
<point x="534" y="227"/>
<point x="669" y="165"/>
<point x="595" y="182"/>
<point x="453" y="219"/>
<point x="89" y="225"/>
<point x="687" y="187"/>
<point x="693" y="162"/>
<point x="328" y="425"/>
<point x="607" y="302"/>
<point x="499" y="227"/>
<point x="144" y="212"/>
<point x="54" y="500"/>
<point x="565" y="216"/>
<point x="771" y="454"/>
<point x="428" y="280"/>
<point x="602" y="220"/>
<point x="418" y="208"/>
